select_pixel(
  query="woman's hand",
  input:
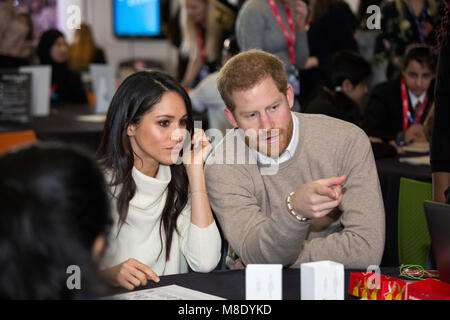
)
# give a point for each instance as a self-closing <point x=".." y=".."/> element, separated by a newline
<point x="300" y="13"/>
<point x="415" y="134"/>
<point x="129" y="274"/>
<point x="200" y="150"/>
<point x="311" y="62"/>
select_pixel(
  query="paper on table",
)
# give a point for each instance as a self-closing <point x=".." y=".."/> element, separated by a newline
<point x="172" y="292"/>
<point x="92" y="118"/>
<point x="417" y="147"/>
<point x="416" y="160"/>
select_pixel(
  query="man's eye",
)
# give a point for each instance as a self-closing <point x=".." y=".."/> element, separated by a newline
<point x="251" y="115"/>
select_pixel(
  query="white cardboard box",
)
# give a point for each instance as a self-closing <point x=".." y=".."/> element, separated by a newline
<point x="263" y="282"/>
<point x="322" y="280"/>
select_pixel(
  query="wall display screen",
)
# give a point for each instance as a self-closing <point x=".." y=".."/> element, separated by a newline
<point x="139" y="18"/>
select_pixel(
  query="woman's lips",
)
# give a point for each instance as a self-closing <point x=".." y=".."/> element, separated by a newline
<point x="175" y="148"/>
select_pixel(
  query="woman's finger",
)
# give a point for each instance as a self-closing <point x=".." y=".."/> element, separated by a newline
<point x="149" y="273"/>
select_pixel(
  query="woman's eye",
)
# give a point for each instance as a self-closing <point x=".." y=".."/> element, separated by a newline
<point x="183" y="122"/>
<point x="163" y="123"/>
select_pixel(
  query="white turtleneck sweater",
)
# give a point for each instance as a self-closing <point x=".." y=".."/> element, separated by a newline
<point x="139" y="237"/>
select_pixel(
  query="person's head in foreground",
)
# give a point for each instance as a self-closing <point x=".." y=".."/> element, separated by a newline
<point x="419" y="68"/>
<point x="53" y="222"/>
<point x="348" y="73"/>
<point x="255" y="89"/>
<point x="147" y="124"/>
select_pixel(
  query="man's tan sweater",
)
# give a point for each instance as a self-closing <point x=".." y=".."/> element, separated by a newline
<point x="251" y="207"/>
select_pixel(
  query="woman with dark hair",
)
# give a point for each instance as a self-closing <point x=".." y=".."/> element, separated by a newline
<point x="440" y="140"/>
<point x="160" y="226"/>
<point x="66" y="84"/>
<point x="54" y="219"/>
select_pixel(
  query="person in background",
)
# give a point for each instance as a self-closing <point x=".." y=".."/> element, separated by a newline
<point x="205" y="95"/>
<point x="66" y="84"/>
<point x="13" y="36"/>
<point x="404" y="23"/>
<point x="366" y="37"/>
<point x="277" y="27"/>
<point x="299" y="187"/>
<point x="331" y="29"/>
<point x="396" y="109"/>
<point x="199" y="33"/>
<point x="344" y="89"/>
<point x="84" y="51"/>
<point x="440" y="140"/>
<point x="343" y="92"/>
<point x="29" y="49"/>
<point x="162" y="219"/>
<point x="54" y="221"/>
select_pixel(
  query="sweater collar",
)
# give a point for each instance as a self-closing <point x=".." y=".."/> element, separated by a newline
<point x="152" y="187"/>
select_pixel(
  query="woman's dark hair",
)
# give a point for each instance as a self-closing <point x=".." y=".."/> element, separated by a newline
<point x="346" y="65"/>
<point x="54" y="205"/>
<point x="46" y="42"/>
<point x="134" y="98"/>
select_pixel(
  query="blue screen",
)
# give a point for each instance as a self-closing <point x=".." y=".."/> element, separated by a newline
<point x="137" y="17"/>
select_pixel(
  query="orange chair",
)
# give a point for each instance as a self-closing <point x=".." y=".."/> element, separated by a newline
<point x="9" y="140"/>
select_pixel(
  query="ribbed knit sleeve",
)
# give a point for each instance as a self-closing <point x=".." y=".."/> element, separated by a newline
<point x="200" y="246"/>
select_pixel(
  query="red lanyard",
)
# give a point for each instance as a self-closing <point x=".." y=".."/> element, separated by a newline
<point x="329" y="91"/>
<point x="201" y="45"/>
<point x="290" y="40"/>
<point x="405" y="104"/>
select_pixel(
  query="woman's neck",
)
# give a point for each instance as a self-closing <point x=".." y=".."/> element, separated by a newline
<point x="149" y="169"/>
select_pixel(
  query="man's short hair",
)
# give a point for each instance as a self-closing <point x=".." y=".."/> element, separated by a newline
<point x="423" y="54"/>
<point x="247" y="69"/>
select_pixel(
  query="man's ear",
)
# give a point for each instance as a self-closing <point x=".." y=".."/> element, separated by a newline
<point x="290" y="96"/>
<point x="230" y="117"/>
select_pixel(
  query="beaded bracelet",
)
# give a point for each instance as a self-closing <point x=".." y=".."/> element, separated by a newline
<point x="291" y="210"/>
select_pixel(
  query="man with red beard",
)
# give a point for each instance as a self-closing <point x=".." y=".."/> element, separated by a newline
<point x="287" y="187"/>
